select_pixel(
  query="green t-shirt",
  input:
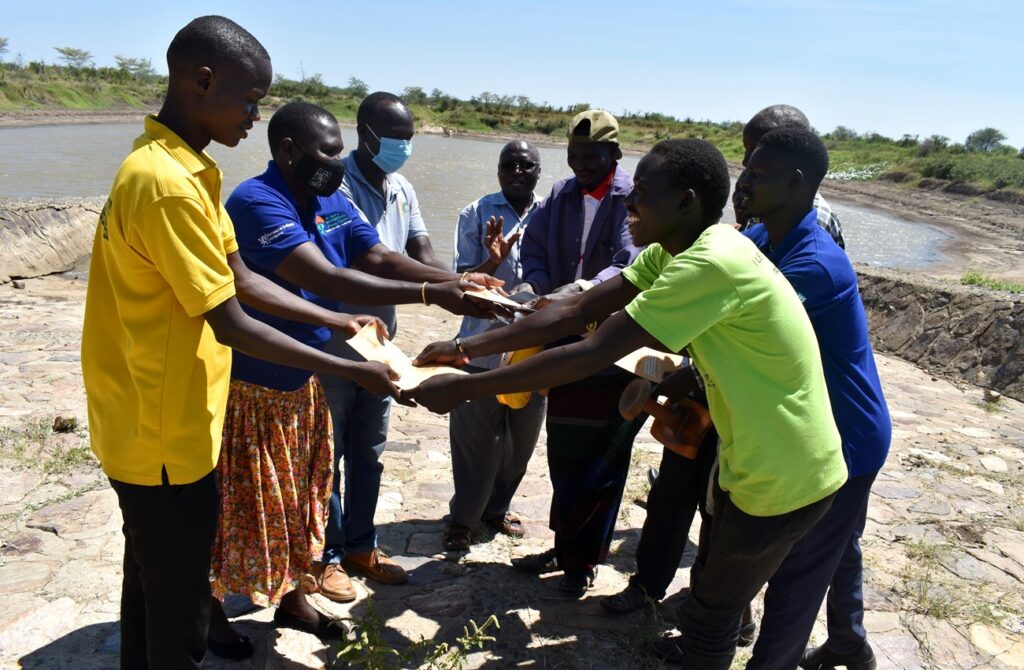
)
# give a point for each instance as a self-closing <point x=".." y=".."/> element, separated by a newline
<point x="754" y="345"/>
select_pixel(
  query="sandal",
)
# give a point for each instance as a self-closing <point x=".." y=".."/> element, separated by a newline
<point x="456" y="537"/>
<point x="747" y="633"/>
<point x="575" y="584"/>
<point x="325" y="628"/>
<point x="510" y="525"/>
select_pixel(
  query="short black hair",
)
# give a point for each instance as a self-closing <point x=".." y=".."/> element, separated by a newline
<point x="697" y="164"/>
<point x="295" y="120"/>
<point x="801" y="149"/>
<point x="777" y="116"/>
<point x="210" y="41"/>
<point x="373" y="102"/>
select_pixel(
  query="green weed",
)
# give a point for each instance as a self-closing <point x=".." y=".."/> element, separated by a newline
<point x="972" y="278"/>
<point x="371" y="651"/>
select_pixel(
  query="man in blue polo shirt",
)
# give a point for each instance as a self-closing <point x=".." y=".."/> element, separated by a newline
<point x="778" y="186"/>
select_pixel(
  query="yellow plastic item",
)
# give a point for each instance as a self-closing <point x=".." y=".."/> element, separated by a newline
<point x="516" y="400"/>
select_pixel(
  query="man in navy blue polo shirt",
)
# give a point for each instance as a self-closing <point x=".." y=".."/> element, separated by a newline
<point x="778" y="186"/>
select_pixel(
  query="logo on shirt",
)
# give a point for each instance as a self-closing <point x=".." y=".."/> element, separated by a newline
<point x="103" y="220"/>
<point x="269" y="237"/>
<point x="331" y="222"/>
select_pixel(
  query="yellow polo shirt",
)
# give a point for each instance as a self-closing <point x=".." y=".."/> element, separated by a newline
<point x="156" y="379"/>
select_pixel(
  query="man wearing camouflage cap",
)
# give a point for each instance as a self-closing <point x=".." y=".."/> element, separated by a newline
<point x="577" y="238"/>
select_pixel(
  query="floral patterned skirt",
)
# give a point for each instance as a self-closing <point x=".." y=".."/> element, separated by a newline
<point x="276" y="466"/>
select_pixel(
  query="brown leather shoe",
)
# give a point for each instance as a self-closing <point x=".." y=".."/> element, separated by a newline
<point x="333" y="583"/>
<point x="376" y="565"/>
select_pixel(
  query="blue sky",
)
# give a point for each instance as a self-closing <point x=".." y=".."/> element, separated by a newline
<point x="889" y="66"/>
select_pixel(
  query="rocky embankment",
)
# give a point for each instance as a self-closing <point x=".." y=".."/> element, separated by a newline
<point x="42" y="238"/>
<point x="961" y="332"/>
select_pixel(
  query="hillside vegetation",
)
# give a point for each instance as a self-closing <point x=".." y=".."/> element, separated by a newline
<point x="981" y="165"/>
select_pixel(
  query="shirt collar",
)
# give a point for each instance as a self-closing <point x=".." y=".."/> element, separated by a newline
<point x="353" y="172"/>
<point x="601" y="190"/>
<point x="504" y="201"/>
<point x="801" y="230"/>
<point x="175" y="146"/>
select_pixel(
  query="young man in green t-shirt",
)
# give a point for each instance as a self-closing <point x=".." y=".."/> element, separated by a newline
<point x="707" y="288"/>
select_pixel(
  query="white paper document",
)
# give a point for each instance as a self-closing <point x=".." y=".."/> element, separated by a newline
<point x="650" y="364"/>
<point x="365" y="342"/>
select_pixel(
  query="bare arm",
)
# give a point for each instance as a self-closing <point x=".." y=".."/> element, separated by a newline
<point x="306" y="266"/>
<point x="615" y="338"/>
<point x="383" y="262"/>
<point x="257" y="291"/>
<point x="234" y="328"/>
<point x="556" y="321"/>
<point x="421" y="249"/>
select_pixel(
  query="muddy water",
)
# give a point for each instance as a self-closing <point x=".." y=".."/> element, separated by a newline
<point x="80" y="161"/>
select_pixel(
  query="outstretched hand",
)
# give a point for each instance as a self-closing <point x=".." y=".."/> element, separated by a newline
<point x="439" y="394"/>
<point x="377" y="378"/>
<point x="487" y="281"/>
<point x="441" y="353"/>
<point x="352" y="324"/>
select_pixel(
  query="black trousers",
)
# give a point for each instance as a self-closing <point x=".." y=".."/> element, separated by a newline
<point x="828" y="559"/>
<point x="165" y="595"/>
<point x="744" y="552"/>
<point x="671" y="506"/>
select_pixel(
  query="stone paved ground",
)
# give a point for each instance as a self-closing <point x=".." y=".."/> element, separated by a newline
<point x="944" y="547"/>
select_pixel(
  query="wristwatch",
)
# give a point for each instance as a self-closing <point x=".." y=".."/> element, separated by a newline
<point x="458" y="345"/>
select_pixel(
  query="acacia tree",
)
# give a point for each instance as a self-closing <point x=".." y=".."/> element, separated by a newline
<point x="3" y="47"/>
<point x="984" y="140"/>
<point x="357" y="88"/>
<point x="140" y="68"/>
<point x="74" y="57"/>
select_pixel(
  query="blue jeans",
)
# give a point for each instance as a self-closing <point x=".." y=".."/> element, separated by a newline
<point x="828" y="558"/>
<point x="360" y="430"/>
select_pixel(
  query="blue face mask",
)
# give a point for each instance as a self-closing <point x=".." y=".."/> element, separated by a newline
<point x="393" y="153"/>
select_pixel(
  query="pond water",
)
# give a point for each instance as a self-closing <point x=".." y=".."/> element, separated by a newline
<point x="448" y="173"/>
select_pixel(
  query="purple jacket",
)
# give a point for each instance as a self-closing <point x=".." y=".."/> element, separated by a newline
<point x="550" y="247"/>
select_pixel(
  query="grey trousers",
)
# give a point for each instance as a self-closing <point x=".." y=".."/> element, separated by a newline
<point x="491" y="448"/>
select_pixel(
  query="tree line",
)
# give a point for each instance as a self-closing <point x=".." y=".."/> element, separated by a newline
<point x="495" y="110"/>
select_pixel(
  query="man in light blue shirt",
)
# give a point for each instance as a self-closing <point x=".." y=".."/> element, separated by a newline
<point x="491" y="442"/>
<point x="388" y="202"/>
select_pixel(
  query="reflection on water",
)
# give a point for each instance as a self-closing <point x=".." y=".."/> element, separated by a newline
<point x="448" y="173"/>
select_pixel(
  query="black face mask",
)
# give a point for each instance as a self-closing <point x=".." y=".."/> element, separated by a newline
<point x="322" y="177"/>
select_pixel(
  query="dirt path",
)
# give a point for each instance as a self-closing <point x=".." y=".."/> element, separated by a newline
<point x="944" y="544"/>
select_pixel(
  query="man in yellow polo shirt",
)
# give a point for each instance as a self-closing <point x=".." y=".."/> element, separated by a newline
<point x="160" y="317"/>
<point x="703" y="286"/>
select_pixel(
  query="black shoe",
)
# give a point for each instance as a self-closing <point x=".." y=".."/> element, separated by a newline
<point x="325" y="628"/>
<point x="238" y="650"/>
<point x="630" y="599"/>
<point x="823" y="658"/>
<point x="537" y="564"/>
<point x="575" y="584"/>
